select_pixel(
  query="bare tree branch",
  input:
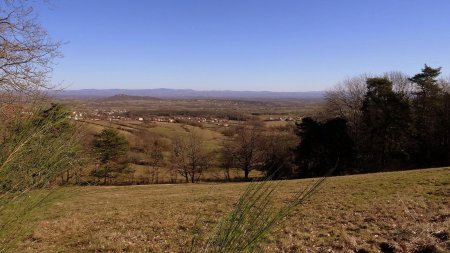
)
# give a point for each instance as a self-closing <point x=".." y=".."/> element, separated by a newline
<point x="26" y="50"/>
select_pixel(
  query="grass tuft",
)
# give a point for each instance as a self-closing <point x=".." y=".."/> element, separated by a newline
<point x="35" y="150"/>
<point x="253" y="218"/>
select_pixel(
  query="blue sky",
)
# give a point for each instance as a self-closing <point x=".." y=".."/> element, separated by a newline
<point x="277" y="45"/>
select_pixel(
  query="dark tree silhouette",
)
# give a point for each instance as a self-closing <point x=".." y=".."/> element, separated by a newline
<point x="322" y="146"/>
<point x="428" y="105"/>
<point x="386" y="117"/>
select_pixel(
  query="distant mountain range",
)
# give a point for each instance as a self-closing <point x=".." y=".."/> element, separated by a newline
<point x="123" y="97"/>
<point x="185" y="93"/>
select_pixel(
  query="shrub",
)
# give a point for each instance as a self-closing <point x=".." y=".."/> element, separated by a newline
<point x="35" y="150"/>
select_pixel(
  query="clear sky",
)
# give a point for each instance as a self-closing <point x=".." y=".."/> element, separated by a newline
<point x="277" y="45"/>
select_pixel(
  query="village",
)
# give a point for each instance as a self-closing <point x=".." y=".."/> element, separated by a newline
<point x="122" y="115"/>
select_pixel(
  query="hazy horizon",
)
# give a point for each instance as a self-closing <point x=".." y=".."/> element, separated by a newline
<point x="242" y="45"/>
<point x="199" y="90"/>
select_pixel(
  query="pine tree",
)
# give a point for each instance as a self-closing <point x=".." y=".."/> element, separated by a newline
<point x="428" y="102"/>
<point x="386" y="117"/>
<point x="111" y="150"/>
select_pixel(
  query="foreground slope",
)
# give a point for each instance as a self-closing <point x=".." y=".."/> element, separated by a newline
<point x="403" y="210"/>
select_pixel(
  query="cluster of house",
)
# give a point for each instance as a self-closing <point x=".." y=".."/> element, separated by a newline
<point x="118" y="114"/>
<point x="284" y="119"/>
<point x="212" y="120"/>
<point x="96" y="114"/>
<point x="76" y="116"/>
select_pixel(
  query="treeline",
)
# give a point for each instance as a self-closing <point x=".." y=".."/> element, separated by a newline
<point x="249" y="146"/>
<point x="367" y="124"/>
<point x="380" y="123"/>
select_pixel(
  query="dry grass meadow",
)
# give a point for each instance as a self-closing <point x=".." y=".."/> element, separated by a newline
<point x="402" y="211"/>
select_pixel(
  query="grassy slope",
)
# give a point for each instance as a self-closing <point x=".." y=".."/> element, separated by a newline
<point x="348" y="213"/>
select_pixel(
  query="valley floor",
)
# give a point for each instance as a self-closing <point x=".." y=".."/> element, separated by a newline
<point x="404" y="210"/>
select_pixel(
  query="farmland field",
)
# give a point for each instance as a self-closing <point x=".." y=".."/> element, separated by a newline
<point x="406" y="211"/>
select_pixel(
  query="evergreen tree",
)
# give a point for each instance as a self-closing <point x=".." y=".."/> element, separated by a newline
<point x="386" y="117"/>
<point x="428" y="106"/>
<point x="322" y="146"/>
<point x="111" y="150"/>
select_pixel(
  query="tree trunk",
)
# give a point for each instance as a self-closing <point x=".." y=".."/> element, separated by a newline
<point x="246" y="172"/>
<point x="227" y="175"/>
<point x="68" y="177"/>
<point x="104" y="178"/>
<point x="152" y="173"/>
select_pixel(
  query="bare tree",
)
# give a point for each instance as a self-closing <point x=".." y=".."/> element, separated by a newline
<point x="155" y="160"/>
<point x="247" y="148"/>
<point x="346" y="98"/>
<point x="444" y="83"/>
<point x="191" y="157"/>
<point x="278" y="158"/>
<point x="178" y="159"/>
<point x="26" y="56"/>
<point x="227" y="161"/>
<point x="26" y="51"/>
<point x="401" y="83"/>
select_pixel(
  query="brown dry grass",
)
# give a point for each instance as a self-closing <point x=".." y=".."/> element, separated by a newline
<point x="404" y="209"/>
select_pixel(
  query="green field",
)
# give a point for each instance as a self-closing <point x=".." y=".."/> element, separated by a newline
<point x="407" y="210"/>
